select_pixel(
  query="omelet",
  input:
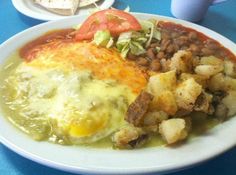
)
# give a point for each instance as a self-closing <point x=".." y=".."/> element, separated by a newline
<point x="72" y="92"/>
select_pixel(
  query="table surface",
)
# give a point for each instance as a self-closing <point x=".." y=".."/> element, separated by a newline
<point x="220" y="18"/>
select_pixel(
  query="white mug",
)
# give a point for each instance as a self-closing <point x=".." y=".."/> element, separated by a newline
<point x="191" y="10"/>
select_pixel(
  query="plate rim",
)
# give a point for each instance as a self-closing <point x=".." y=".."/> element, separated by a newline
<point x="141" y="170"/>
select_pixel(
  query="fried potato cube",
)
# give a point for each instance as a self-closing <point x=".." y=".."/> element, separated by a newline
<point x="230" y="83"/>
<point x="166" y="102"/>
<point x="221" y="82"/>
<point x="208" y="70"/>
<point x="161" y="82"/>
<point x="186" y="93"/>
<point x="203" y="103"/>
<point x="129" y="137"/>
<point x="173" y="130"/>
<point x="229" y="102"/>
<point x="154" y="117"/>
<point x="209" y="66"/>
<point x="160" y="86"/>
<point x="216" y="82"/>
<point x="200" y="79"/>
<point x="211" y="60"/>
<point x="182" y="61"/>
<point x="229" y="68"/>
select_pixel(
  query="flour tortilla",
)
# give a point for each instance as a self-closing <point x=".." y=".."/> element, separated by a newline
<point x="84" y="3"/>
<point x="62" y="7"/>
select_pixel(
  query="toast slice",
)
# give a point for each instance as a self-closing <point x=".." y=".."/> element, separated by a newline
<point x="62" y="7"/>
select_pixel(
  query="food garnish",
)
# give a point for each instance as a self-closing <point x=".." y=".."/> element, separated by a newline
<point x="116" y="21"/>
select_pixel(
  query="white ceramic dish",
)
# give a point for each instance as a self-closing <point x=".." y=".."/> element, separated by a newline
<point x="107" y="161"/>
<point x="28" y="8"/>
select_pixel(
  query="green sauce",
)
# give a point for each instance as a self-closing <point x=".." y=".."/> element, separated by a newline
<point x="41" y="130"/>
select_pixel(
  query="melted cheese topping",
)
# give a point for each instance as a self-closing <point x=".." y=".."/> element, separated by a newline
<point x="103" y="63"/>
<point x="72" y="103"/>
<point x="74" y="91"/>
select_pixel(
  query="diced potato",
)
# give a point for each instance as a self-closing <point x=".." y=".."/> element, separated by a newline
<point x="230" y="83"/>
<point x="229" y="68"/>
<point x="211" y="60"/>
<point x="221" y="82"/>
<point x="196" y="61"/>
<point x="154" y="117"/>
<point x="161" y="82"/>
<point x="182" y="61"/>
<point x="229" y="102"/>
<point x="186" y="93"/>
<point x="166" y="102"/>
<point x="217" y="82"/>
<point x="173" y="130"/>
<point x="160" y="86"/>
<point x="221" y="112"/>
<point x="208" y="70"/>
<point x="200" y="79"/>
<point x="203" y="103"/>
<point x="126" y="135"/>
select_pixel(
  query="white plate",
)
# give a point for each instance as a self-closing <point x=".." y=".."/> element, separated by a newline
<point x="28" y="8"/>
<point x="107" y="161"/>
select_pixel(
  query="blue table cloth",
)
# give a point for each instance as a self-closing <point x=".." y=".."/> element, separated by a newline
<point x="220" y="18"/>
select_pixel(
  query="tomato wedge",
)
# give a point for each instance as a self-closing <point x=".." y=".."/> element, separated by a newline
<point x="116" y="21"/>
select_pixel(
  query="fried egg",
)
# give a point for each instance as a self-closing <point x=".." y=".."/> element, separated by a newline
<point x="79" y="90"/>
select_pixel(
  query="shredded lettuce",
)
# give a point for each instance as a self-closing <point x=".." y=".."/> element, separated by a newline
<point x="136" y="48"/>
<point x="123" y="43"/>
<point x="124" y="38"/>
<point x="134" y="42"/>
<point x="150" y="29"/>
<point x="103" y="38"/>
<point x="110" y="43"/>
<point x="131" y="41"/>
<point x="158" y="49"/>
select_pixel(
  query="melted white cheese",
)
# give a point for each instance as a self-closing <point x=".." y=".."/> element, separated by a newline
<point x="83" y="108"/>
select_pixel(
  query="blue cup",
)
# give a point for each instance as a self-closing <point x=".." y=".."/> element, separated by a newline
<point x="191" y="10"/>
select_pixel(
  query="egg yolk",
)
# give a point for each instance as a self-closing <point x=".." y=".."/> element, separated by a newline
<point x="87" y="126"/>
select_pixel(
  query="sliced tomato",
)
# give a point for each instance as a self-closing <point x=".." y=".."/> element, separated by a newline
<point x="116" y="21"/>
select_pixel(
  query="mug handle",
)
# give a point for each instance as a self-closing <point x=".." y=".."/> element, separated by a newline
<point x="217" y="1"/>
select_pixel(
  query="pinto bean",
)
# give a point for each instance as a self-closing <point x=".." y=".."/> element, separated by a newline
<point x="184" y="48"/>
<point x="222" y="54"/>
<point x="176" y="47"/>
<point x="170" y="48"/>
<point x="142" y="61"/>
<point x="206" y="51"/>
<point x="154" y="45"/>
<point x="165" y="64"/>
<point x="150" y="53"/>
<point x="155" y="65"/>
<point x="175" y="34"/>
<point x="212" y="45"/>
<point x="165" y="35"/>
<point x="160" y="55"/>
<point x="181" y="41"/>
<point x="192" y="36"/>
<point x="131" y="56"/>
<point x="195" y="48"/>
<point x="164" y="44"/>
